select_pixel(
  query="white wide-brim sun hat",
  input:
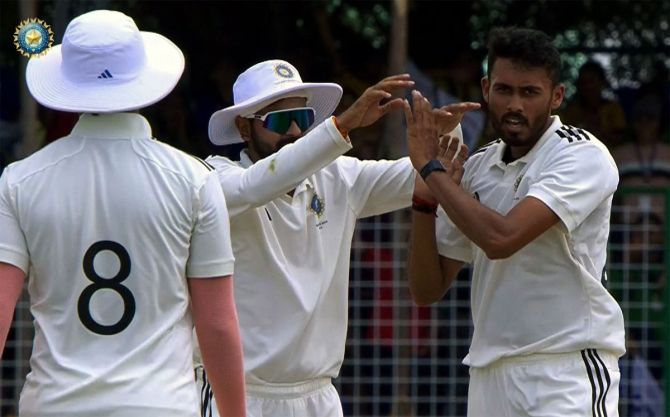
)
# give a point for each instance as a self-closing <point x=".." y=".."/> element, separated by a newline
<point x="262" y="85"/>
<point x="104" y="65"/>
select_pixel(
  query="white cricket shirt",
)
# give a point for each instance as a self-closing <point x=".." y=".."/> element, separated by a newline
<point x="109" y="223"/>
<point x="292" y="253"/>
<point x="548" y="296"/>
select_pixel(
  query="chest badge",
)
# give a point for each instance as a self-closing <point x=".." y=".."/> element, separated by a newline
<point x="317" y="205"/>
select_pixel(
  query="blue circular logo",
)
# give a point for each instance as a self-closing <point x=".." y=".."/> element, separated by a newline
<point x="284" y="71"/>
<point x="33" y="37"/>
<point x="317" y="205"/>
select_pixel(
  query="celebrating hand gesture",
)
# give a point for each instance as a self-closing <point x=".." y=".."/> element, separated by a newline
<point x="367" y="109"/>
<point x="424" y="129"/>
<point x="449" y="116"/>
<point x="453" y="154"/>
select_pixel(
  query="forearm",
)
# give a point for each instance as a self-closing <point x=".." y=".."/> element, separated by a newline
<point x="11" y="285"/>
<point x="216" y="324"/>
<point x="282" y="171"/>
<point x="426" y="281"/>
<point x="226" y="376"/>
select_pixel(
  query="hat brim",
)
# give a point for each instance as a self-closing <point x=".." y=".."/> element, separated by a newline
<point x="323" y="97"/>
<point x="51" y="88"/>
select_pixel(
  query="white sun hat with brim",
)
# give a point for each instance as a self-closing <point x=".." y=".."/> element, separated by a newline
<point x="262" y="85"/>
<point x="105" y="65"/>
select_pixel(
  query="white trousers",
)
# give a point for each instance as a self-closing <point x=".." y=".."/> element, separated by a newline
<point x="578" y="384"/>
<point x="315" y="398"/>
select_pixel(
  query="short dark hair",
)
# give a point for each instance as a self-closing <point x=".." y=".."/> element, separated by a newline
<point x="527" y="47"/>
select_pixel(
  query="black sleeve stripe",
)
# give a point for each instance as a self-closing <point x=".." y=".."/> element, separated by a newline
<point x="583" y="133"/>
<point x="205" y="163"/>
<point x="571" y="133"/>
<point x="563" y="135"/>
<point x="485" y="147"/>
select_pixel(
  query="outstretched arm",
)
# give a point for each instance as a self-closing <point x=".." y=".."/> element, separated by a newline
<point x="215" y="320"/>
<point x="11" y="284"/>
<point x="280" y="172"/>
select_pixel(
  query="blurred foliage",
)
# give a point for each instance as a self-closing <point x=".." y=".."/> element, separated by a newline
<point x="627" y="36"/>
<point x="328" y="38"/>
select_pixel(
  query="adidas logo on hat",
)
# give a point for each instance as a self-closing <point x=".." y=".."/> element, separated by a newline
<point x="105" y="74"/>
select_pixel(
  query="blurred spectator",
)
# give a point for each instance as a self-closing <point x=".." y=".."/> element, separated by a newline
<point x="591" y="110"/>
<point x="658" y="86"/>
<point x="57" y="124"/>
<point x="473" y="123"/>
<point x="646" y="160"/>
<point x="386" y="343"/>
<point x="9" y="115"/>
<point x="461" y="77"/>
<point x="638" y="283"/>
<point x="171" y="120"/>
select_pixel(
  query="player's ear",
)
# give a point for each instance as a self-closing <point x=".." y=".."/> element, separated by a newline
<point x="244" y="127"/>
<point x="557" y="95"/>
<point x="485" y="88"/>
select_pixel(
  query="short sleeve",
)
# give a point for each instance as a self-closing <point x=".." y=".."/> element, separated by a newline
<point x="451" y="242"/>
<point x="377" y="187"/>
<point x="210" y="253"/>
<point x="575" y="181"/>
<point x="13" y="247"/>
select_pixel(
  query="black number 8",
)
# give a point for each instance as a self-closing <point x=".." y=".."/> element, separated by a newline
<point x="113" y="283"/>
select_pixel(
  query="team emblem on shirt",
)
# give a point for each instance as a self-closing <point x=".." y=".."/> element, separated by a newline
<point x="33" y="37"/>
<point x="284" y="71"/>
<point x="317" y="206"/>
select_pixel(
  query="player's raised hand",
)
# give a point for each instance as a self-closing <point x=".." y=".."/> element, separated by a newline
<point x="453" y="154"/>
<point x="449" y="116"/>
<point x="422" y="136"/>
<point x="368" y="108"/>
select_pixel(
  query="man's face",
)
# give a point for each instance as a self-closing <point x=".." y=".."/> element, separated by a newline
<point x="520" y="101"/>
<point x="263" y="142"/>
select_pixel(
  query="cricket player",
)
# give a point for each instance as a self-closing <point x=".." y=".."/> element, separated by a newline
<point x="125" y="240"/>
<point x="531" y="212"/>
<point x="294" y="201"/>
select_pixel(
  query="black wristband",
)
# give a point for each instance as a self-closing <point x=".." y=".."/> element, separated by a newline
<point x="425" y="209"/>
<point x="432" y="165"/>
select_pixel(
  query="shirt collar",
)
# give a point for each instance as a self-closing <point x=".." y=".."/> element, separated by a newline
<point x="246" y="162"/>
<point x="112" y="126"/>
<point x="497" y="160"/>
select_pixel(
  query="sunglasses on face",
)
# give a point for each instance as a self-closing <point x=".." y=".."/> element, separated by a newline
<point x="280" y="121"/>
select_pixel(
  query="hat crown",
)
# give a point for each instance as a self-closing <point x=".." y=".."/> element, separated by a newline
<point x="102" y="46"/>
<point x="264" y="79"/>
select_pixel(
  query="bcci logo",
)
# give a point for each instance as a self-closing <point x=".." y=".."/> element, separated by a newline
<point x="284" y="71"/>
<point x="317" y="206"/>
<point x="33" y="37"/>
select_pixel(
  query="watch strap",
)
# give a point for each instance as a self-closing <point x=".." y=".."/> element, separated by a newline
<point x="432" y="165"/>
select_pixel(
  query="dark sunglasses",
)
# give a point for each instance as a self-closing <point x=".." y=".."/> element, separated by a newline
<point x="280" y="121"/>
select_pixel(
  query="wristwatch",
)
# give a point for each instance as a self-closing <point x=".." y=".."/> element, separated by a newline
<point x="432" y="165"/>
